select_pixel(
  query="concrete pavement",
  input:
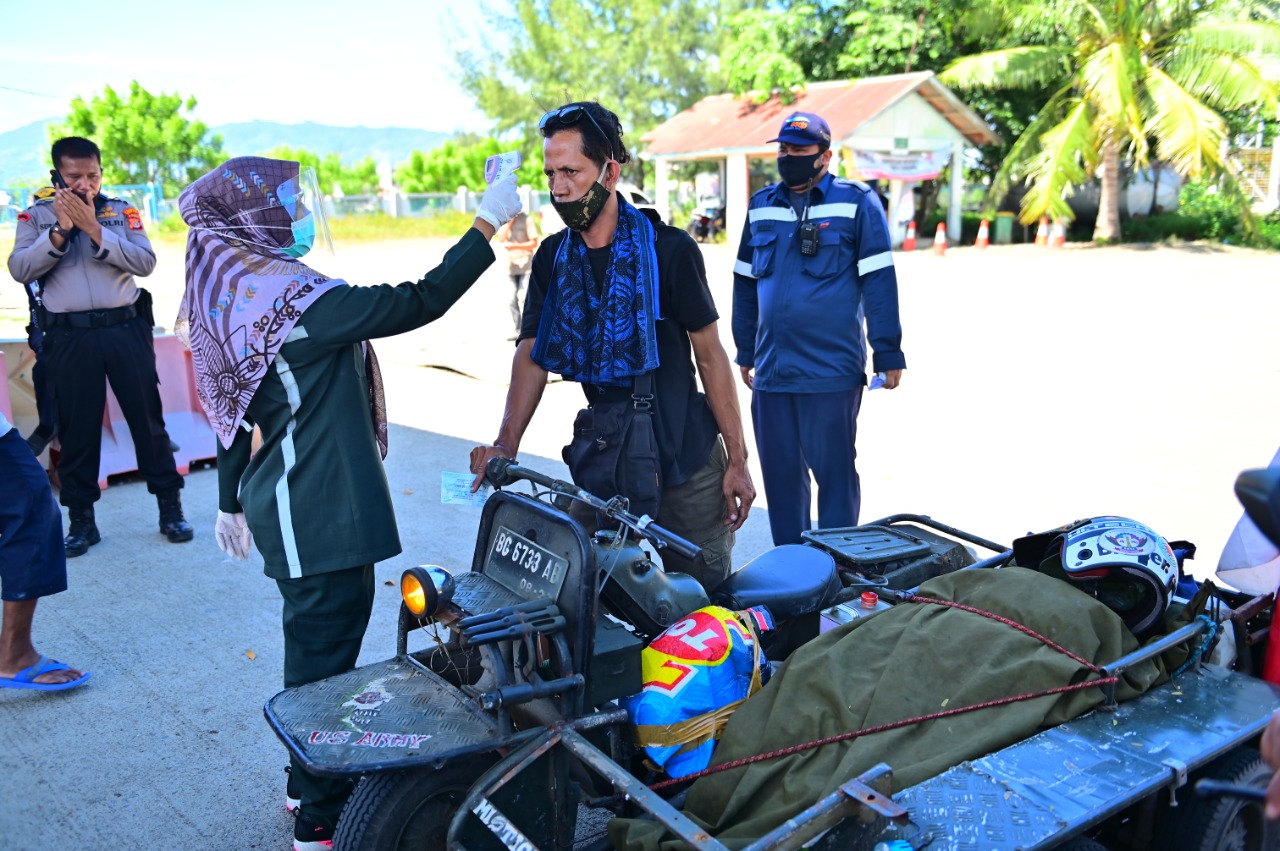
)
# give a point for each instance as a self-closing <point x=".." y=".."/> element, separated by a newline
<point x="1043" y="386"/>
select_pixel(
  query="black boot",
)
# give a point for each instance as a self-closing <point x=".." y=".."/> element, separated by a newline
<point x="174" y="526"/>
<point x="84" y="532"/>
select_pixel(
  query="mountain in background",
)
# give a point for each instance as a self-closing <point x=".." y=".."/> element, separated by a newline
<point x="393" y="144"/>
<point x="24" y="152"/>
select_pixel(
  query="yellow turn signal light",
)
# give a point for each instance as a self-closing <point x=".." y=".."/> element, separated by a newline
<point x="425" y="589"/>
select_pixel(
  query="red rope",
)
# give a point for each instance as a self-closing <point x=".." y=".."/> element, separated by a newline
<point x="945" y="713"/>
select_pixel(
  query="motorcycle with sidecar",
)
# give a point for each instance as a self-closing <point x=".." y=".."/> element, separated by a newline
<point x="504" y="730"/>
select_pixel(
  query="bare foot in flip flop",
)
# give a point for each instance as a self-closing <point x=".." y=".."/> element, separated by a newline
<point x="44" y="675"/>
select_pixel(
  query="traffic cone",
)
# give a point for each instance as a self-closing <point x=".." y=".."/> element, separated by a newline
<point x="983" y="234"/>
<point x="1059" y="237"/>
<point x="1042" y="232"/>
<point x="909" y="244"/>
<point x="940" y="239"/>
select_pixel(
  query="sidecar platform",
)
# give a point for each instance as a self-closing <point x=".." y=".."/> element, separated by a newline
<point x="1057" y="784"/>
<point x="391" y="714"/>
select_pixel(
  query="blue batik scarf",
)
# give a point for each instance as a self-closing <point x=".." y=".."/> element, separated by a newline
<point x="610" y="336"/>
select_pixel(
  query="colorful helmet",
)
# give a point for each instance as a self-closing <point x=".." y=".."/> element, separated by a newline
<point x="1123" y="564"/>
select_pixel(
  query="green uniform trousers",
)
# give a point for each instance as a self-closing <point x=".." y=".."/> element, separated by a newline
<point x="325" y="617"/>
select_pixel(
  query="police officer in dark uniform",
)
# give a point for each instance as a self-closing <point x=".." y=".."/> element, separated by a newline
<point x="85" y="249"/>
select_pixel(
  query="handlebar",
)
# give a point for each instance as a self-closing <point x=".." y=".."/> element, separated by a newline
<point x="501" y="472"/>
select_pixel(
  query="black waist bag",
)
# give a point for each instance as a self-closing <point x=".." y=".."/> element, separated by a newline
<point x="615" y="450"/>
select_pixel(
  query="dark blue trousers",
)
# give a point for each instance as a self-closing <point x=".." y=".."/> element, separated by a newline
<point x="801" y="432"/>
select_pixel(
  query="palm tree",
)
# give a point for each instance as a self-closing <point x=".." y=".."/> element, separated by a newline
<point x="1129" y="78"/>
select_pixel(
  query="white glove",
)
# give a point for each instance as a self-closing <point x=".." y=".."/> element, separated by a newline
<point x="234" y="537"/>
<point x="500" y="203"/>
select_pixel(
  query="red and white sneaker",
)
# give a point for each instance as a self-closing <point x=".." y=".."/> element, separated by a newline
<point x="311" y="834"/>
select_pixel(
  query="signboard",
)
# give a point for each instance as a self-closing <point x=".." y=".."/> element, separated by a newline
<point x="917" y="165"/>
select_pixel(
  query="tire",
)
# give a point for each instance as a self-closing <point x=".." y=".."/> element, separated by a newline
<point x="1220" y="823"/>
<point x="403" y="810"/>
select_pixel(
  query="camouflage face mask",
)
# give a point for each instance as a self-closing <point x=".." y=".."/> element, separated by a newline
<point x="578" y="215"/>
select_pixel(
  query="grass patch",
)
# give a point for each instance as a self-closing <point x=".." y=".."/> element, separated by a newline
<point x="377" y="227"/>
<point x="374" y="227"/>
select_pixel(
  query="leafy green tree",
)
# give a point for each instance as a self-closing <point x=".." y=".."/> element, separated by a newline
<point x="145" y="137"/>
<point x="458" y="162"/>
<point x="358" y="179"/>
<point x="644" y="59"/>
<point x="775" y="50"/>
<point x="1136" y="80"/>
<point x="778" y="50"/>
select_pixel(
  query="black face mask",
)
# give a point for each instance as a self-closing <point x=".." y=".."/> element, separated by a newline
<point x="798" y="171"/>
<point x="578" y="215"/>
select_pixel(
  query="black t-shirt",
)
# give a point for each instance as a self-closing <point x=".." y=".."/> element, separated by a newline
<point x="686" y="428"/>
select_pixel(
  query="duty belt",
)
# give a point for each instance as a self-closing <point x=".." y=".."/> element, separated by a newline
<point x="92" y="318"/>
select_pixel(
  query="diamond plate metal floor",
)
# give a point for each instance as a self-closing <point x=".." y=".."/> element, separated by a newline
<point x="1039" y="792"/>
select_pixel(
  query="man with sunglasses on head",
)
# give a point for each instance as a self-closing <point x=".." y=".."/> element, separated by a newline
<point x="85" y="249"/>
<point x="620" y="275"/>
<point x="813" y="261"/>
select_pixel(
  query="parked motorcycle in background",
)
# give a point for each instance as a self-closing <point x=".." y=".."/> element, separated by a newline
<point x="707" y="221"/>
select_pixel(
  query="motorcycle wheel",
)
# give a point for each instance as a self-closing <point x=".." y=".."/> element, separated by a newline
<point x="403" y="810"/>
<point x="1220" y="823"/>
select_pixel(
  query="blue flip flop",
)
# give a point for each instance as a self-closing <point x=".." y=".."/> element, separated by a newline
<point x="26" y="678"/>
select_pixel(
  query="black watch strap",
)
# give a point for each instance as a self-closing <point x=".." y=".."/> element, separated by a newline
<point x="60" y="230"/>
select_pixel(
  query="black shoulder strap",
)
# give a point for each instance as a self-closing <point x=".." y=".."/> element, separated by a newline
<point x="642" y="392"/>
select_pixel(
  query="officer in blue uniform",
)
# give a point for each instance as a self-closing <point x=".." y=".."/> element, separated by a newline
<point x="814" y="263"/>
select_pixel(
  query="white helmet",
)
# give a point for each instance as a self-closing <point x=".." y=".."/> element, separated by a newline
<point x="1123" y="564"/>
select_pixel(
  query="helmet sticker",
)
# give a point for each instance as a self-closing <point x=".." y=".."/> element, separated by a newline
<point x="1129" y="543"/>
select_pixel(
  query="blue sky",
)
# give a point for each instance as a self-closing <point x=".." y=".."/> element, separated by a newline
<point x="343" y="62"/>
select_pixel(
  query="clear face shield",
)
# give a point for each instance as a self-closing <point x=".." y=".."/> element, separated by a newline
<point x="295" y="206"/>
<point x="302" y="200"/>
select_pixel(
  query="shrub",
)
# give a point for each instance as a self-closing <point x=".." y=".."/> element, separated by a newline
<point x="1203" y="214"/>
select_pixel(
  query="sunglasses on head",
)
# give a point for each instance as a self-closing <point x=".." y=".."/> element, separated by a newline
<point x="567" y="115"/>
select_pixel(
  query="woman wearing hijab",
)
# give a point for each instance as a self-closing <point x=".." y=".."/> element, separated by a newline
<point x="279" y="346"/>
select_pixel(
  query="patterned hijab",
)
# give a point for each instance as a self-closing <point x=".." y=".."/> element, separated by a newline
<point x="244" y="294"/>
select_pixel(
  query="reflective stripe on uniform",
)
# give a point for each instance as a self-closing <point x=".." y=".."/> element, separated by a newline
<point x="771" y="214"/>
<point x="833" y="211"/>
<point x="742" y="267"/>
<point x="867" y="265"/>
<point x="287" y="451"/>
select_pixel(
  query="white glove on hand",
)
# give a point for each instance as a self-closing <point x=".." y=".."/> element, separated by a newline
<point x="234" y="537"/>
<point x="500" y="203"/>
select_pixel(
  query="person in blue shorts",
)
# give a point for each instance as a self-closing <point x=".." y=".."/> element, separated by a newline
<point x="33" y="564"/>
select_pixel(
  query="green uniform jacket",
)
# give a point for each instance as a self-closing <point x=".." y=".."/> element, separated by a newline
<point x="315" y="494"/>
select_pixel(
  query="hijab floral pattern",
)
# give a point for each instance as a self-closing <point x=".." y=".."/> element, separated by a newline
<point x="244" y="295"/>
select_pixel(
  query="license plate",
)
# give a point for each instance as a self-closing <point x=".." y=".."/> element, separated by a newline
<point x="523" y="566"/>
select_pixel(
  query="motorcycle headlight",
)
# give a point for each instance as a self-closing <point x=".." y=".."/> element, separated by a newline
<point x="425" y="589"/>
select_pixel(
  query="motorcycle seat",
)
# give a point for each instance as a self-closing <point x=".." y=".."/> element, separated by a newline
<point x="790" y="580"/>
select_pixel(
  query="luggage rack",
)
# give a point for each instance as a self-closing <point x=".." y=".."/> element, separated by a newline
<point x="884" y="553"/>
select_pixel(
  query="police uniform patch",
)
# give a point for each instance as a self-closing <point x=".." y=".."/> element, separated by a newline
<point x="24" y="217"/>
<point x="45" y="193"/>
<point x="107" y="212"/>
<point x="134" y="217"/>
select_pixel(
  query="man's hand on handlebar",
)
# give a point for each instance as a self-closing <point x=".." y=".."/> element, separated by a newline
<point x="739" y="493"/>
<point x="480" y="456"/>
